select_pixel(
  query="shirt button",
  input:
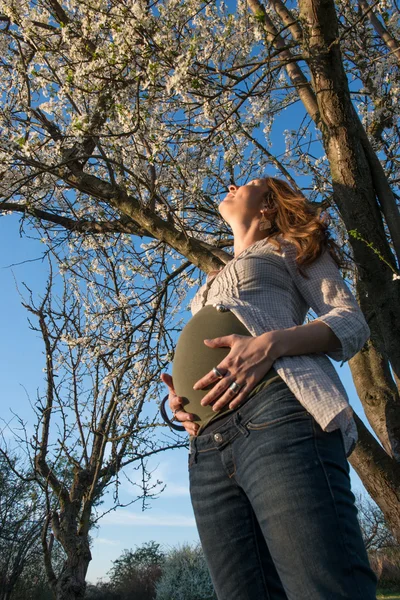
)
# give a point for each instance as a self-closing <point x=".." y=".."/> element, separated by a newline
<point x="218" y="437"/>
<point x="221" y="307"/>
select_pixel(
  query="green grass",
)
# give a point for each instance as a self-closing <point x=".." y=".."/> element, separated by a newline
<point x="388" y="595"/>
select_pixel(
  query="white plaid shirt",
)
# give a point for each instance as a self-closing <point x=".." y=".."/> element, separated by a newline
<point x="265" y="292"/>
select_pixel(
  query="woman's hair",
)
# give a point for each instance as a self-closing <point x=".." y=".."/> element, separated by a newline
<point x="299" y="220"/>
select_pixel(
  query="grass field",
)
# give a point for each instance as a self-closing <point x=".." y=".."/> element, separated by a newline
<point x="388" y="595"/>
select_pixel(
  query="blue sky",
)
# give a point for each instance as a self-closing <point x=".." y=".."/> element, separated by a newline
<point x="169" y="520"/>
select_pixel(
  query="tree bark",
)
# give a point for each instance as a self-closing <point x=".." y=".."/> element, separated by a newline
<point x="380" y="475"/>
<point x="71" y="583"/>
<point x="379" y="396"/>
<point x="376" y="388"/>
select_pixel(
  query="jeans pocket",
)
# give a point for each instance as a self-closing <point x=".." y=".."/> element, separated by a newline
<point x="339" y="433"/>
<point x="280" y="408"/>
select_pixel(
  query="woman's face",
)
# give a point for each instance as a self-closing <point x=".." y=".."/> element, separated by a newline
<point x="243" y="202"/>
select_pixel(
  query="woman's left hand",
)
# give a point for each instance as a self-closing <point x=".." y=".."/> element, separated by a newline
<point x="248" y="361"/>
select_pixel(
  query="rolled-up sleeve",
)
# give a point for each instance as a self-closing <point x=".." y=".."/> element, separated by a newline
<point x="328" y="295"/>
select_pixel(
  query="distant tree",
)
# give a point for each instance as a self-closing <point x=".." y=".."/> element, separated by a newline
<point x="135" y="573"/>
<point x="20" y="526"/>
<point x="185" y="576"/>
<point x="33" y="583"/>
<point x="23" y="505"/>
<point x="101" y="591"/>
<point x="383" y="548"/>
<point x="374" y="527"/>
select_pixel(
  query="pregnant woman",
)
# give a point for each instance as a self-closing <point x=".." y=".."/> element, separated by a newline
<point x="269" y="421"/>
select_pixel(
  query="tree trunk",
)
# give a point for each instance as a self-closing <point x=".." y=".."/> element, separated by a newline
<point x="375" y="385"/>
<point x="380" y="475"/>
<point x="6" y="590"/>
<point x="8" y="582"/>
<point x="67" y="528"/>
<point x="379" y="396"/>
<point x="71" y="583"/>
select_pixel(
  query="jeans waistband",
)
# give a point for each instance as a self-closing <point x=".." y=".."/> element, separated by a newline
<point x="215" y="423"/>
<point x="235" y="425"/>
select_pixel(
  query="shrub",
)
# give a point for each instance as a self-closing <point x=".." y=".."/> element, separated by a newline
<point x="185" y="576"/>
<point x="386" y="565"/>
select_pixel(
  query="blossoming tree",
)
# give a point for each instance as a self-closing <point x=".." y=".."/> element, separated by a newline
<point x="122" y="122"/>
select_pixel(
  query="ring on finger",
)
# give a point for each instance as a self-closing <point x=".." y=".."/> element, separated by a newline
<point x="218" y="373"/>
<point x="235" y="387"/>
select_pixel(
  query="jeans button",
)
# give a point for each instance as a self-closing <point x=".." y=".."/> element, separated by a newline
<point x="217" y="437"/>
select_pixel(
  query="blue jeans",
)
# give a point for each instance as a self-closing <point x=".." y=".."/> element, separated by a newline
<point x="274" y="508"/>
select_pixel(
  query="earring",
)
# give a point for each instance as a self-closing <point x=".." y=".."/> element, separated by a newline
<point x="264" y="223"/>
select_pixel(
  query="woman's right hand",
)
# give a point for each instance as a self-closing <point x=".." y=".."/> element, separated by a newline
<point x="175" y="403"/>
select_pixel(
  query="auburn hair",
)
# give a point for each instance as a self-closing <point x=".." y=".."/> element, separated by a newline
<point x="294" y="216"/>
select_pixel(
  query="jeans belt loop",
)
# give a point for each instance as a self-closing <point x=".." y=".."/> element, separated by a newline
<point x="243" y="430"/>
<point x="195" y="450"/>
